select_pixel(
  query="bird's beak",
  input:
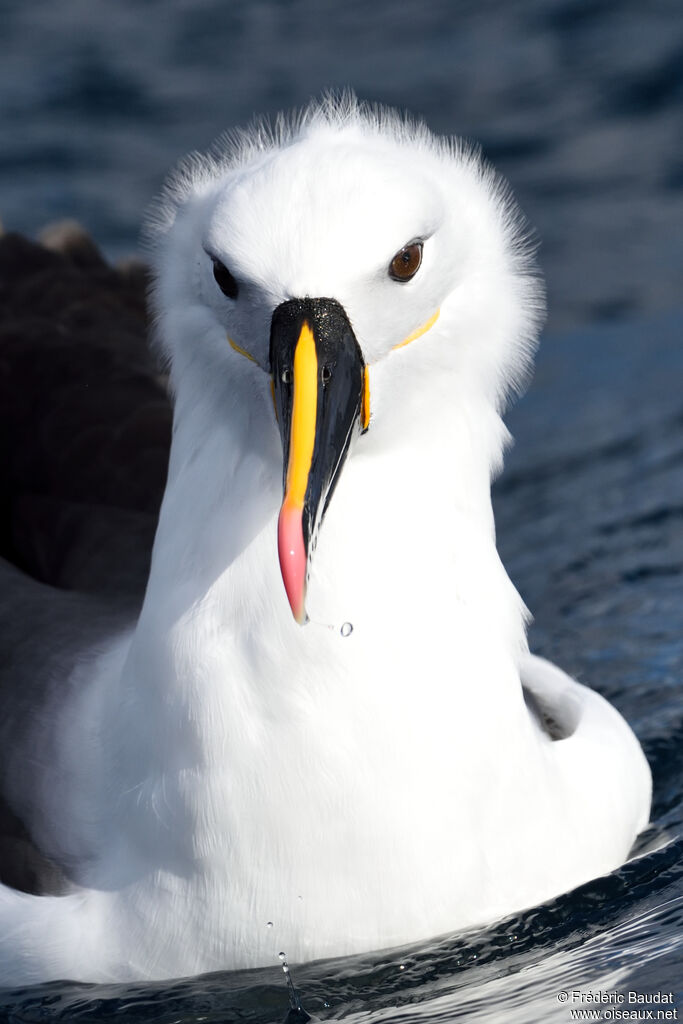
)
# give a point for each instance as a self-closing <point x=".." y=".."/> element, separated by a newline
<point x="319" y="384"/>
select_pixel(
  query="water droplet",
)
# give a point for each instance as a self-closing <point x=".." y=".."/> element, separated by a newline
<point x="347" y="629"/>
<point x="294" y="1001"/>
<point x="269" y="924"/>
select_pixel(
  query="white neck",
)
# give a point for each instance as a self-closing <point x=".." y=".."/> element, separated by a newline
<point x="217" y="661"/>
<point x="264" y="759"/>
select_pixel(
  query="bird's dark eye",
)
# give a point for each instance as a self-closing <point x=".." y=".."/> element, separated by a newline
<point x="406" y="263"/>
<point x="224" y="279"/>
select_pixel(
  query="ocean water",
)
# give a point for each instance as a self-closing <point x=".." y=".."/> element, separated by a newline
<point x="579" y="104"/>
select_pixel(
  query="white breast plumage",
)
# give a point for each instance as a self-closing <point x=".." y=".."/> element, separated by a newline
<point x="367" y="754"/>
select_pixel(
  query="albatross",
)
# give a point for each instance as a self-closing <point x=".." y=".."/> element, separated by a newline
<point x="324" y="731"/>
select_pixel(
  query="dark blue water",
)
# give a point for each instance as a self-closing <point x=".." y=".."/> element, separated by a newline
<point x="580" y="105"/>
<point x="577" y="102"/>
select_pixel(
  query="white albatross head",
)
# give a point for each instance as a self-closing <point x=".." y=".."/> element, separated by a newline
<point x="321" y="249"/>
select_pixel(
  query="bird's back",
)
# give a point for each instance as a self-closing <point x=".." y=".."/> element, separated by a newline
<point x="84" y="417"/>
<point x="84" y="438"/>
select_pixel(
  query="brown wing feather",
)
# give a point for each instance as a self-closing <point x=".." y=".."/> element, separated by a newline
<point x="85" y="429"/>
<point x="84" y="419"/>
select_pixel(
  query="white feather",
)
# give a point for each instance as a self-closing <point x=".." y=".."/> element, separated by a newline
<point x="219" y="767"/>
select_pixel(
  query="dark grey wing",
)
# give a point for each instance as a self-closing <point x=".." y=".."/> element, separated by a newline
<point x="84" y="418"/>
<point x="84" y="436"/>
